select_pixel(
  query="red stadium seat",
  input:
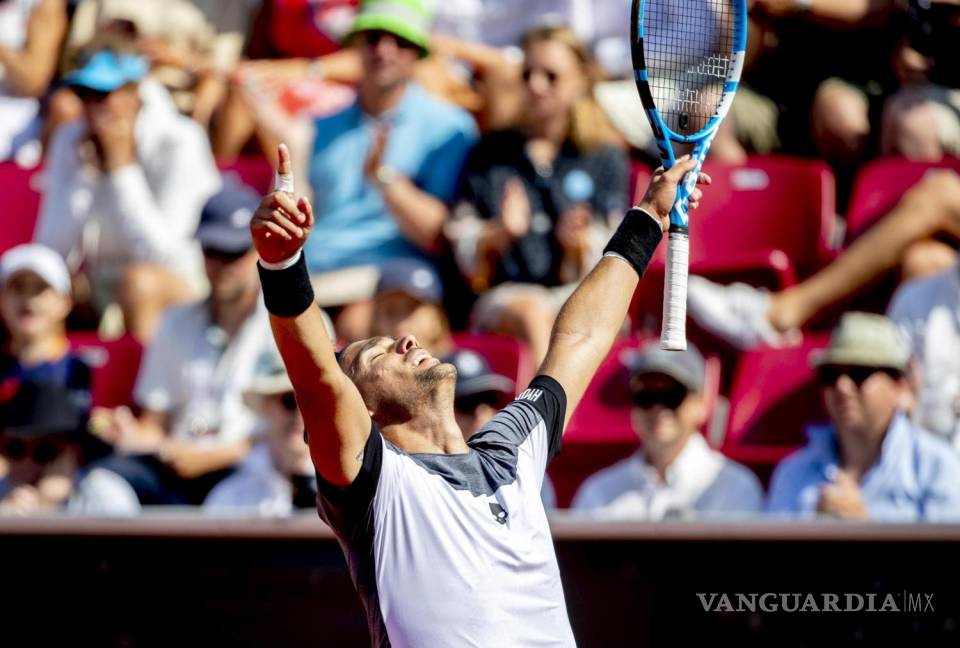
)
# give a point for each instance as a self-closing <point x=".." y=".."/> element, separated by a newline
<point x="768" y="223"/>
<point x="114" y="366"/>
<point x="19" y="202"/>
<point x="773" y="398"/>
<point x="769" y="203"/>
<point x="599" y="432"/>
<point x="253" y="171"/>
<point x="879" y="186"/>
<point x="505" y="355"/>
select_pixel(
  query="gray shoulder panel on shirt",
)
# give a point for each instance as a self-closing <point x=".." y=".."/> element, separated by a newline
<point x="494" y="451"/>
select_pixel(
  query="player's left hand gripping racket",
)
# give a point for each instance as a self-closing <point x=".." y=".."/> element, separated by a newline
<point x="687" y="60"/>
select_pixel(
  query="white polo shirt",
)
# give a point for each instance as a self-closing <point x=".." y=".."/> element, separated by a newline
<point x="256" y="488"/>
<point x="928" y="313"/>
<point x="700" y="481"/>
<point x="455" y="550"/>
<point x="194" y="373"/>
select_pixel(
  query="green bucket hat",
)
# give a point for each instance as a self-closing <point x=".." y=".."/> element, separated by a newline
<point x="408" y="19"/>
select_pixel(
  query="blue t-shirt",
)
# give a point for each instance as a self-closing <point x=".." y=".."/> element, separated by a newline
<point x="68" y="371"/>
<point x="428" y="143"/>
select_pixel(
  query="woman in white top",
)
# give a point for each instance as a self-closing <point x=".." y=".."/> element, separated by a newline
<point x="30" y="35"/>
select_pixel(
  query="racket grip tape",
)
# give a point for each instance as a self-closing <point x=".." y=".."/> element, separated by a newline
<point x="673" y="335"/>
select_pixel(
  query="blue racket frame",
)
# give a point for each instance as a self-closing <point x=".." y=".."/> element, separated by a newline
<point x="702" y="139"/>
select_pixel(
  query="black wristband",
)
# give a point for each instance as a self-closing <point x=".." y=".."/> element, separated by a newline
<point x="636" y="239"/>
<point x="287" y="292"/>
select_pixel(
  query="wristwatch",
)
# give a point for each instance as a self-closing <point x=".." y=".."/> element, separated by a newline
<point x="385" y="176"/>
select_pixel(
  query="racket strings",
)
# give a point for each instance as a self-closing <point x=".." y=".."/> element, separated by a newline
<point x="687" y="48"/>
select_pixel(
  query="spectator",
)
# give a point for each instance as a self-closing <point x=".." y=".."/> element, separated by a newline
<point x="230" y="22"/>
<point x="922" y="121"/>
<point x="502" y="24"/>
<point x="298" y="72"/>
<point x="675" y="472"/>
<point x="846" y="91"/>
<point x="538" y="202"/>
<point x="479" y="393"/>
<point x="125" y="186"/>
<point x="478" y="396"/>
<point x="34" y="303"/>
<point x="194" y="425"/>
<point x="928" y="314"/>
<point x="870" y="462"/>
<point x="384" y="169"/>
<point x="191" y="44"/>
<point x="30" y="35"/>
<point x="859" y="109"/>
<point x="44" y="443"/>
<point x="296" y="65"/>
<point x="277" y="477"/>
<point x="746" y="316"/>
<point x="483" y="34"/>
<point x="409" y="301"/>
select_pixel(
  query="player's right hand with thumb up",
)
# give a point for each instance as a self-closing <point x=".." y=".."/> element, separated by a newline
<point x="283" y="222"/>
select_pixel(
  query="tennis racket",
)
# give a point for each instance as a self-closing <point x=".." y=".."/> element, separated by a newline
<point x="687" y="60"/>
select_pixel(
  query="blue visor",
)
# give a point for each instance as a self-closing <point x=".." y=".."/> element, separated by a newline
<point x="106" y="71"/>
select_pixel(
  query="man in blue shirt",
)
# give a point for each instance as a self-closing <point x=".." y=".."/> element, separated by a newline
<point x="870" y="462"/>
<point x="384" y="169"/>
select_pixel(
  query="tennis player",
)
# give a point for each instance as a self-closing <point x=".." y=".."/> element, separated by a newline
<point x="446" y="540"/>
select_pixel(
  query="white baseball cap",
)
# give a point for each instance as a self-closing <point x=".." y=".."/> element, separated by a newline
<point x="38" y="259"/>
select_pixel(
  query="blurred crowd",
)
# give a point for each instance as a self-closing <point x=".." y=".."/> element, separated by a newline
<point x="467" y="160"/>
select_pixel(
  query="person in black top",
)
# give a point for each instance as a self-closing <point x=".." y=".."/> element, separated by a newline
<point x="538" y="202"/>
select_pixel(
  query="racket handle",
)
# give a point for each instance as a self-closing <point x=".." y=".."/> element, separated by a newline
<point x="673" y="335"/>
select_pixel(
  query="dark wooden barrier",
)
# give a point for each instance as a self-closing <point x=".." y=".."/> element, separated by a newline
<point x="177" y="580"/>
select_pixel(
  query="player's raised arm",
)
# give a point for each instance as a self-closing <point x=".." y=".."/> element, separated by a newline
<point x="335" y="417"/>
<point x="590" y="319"/>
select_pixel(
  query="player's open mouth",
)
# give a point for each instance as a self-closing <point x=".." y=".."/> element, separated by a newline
<point x="427" y="360"/>
<point x="418" y="356"/>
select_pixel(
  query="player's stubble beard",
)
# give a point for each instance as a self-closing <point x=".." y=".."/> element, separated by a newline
<point x="435" y="375"/>
<point x="432" y="382"/>
<point x="425" y="392"/>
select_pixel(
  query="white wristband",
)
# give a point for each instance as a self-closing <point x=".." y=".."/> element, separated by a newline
<point x="283" y="182"/>
<point x="281" y="265"/>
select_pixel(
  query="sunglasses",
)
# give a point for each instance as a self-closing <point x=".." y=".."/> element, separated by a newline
<point x="828" y="375"/>
<point x="41" y="452"/>
<point x="289" y="402"/>
<point x="223" y="255"/>
<point x="89" y="95"/>
<point x="550" y="75"/>
<point x="374" y="37"/>
<point x="669" y="399"/>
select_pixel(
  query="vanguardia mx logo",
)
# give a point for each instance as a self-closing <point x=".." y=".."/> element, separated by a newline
<point x="820" y="602"/>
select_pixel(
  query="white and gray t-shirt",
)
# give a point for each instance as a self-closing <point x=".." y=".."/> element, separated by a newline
<point x="455" y="550"/>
